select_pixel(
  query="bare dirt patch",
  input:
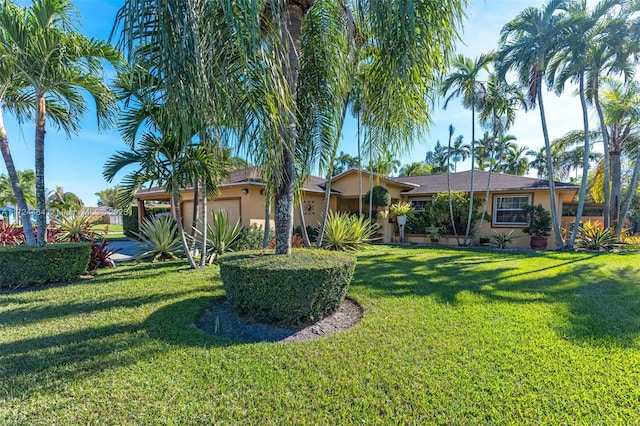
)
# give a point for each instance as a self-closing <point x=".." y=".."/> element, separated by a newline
<point x="221" y="320"/>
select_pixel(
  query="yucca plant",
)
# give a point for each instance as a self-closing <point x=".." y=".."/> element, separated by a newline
<point x="347" y="232"/>
<point x="593" y="236"/>
<point x="502" y="239"/>
<point x="159" y="236"/>
<point x="220" y="235"/>
<point x="74" y="226"/>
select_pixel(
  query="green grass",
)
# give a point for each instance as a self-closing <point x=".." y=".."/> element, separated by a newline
<point x="115" y="231"/>
<point x="449" y="336"/>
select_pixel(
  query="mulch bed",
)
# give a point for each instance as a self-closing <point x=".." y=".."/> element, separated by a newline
<point x="220" y="320"/>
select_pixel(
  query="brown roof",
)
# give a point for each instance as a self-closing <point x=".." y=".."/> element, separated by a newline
<point x="431" y="184"/>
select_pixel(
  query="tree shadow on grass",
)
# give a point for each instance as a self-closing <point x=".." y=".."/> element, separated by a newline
<point x="602" y="308"/>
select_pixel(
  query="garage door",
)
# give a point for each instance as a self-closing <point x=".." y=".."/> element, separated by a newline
<point x="232" y="207"/>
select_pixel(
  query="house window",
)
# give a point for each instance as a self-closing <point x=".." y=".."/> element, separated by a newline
<point x="420" y="204"/>
<point x="507" y="209"/>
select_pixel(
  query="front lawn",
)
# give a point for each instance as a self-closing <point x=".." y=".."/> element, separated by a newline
<point x="449" y="336"/>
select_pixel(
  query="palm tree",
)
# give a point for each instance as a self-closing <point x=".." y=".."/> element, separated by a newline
<point x="516" y="163"/>
<point x="56" y="64"/>
<point x="437" y="159"/>
<point x="386" y="164"/>
<point x="527" y="43"/>
<point x="463" y="82"/>
<point x="110" y="197"/>
<point x="417" y="168"/>
<point x="503" y="147"/>
<point x="621" y="106"/>
<point x="571" y="62"/>
<point x="27" y="179"/>
<point x="60" y="201"/>
<point x="272" y="42"/>
<point x="539" y="161"/>
<point x="344" y="162"/>
<point x="484" y="149"/>
<point x="459" y="151"/>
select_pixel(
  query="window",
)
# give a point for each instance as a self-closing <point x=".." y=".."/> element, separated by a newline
<point x="507" y="209"/>
<point x="420" y="204"/>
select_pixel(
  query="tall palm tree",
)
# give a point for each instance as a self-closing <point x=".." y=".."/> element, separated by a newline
<point x="463" y="82"/>
<point x="459" y="151"/>
<point x="437" y="159"/>
<point x="57" y="64"/>
<point x="621" y="106"/>
<point x="539" y="161"/>
<point x="269" y="42"/>
<point x="570" y="63"/>
<point x="527" y="44"/>
<point x="516" y="163"/>
<point x="61" y="201"/>
<point x="484" y="148"/>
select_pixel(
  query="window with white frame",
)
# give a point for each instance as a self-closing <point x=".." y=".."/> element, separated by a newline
<point x="507" y="209"/>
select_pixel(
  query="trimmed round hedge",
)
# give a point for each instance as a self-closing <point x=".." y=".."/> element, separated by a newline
<point x="306" y="285"/>
<point x="25" y="266"/>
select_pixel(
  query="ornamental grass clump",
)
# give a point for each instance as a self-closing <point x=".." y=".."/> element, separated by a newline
<point x="304" y="286"/>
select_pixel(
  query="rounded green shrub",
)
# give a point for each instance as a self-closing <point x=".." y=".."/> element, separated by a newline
<point x="303" y="286"/>
<point x="25" y="266"/>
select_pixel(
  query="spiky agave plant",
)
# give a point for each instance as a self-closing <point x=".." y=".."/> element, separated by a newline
<point x="74" y="226"/>
<point x="347" y="232"/>
<point x="159" y="236"/>
<point x="220" y="235"/>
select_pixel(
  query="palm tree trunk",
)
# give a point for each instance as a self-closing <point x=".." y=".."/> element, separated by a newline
<point x="325" y="208"/>
<point x="370" y="185"/>
<point x="41" y="200"/>
<point x="632" y="190"/>
<point x="473" y="154"/>
<point x="585" y="164"/>
<point x="359" y="170"/>
<point x="267" y="219"/>
<point x="616" y="177"/>
<point x="284" y="194"/>
<point x="453" y="222"/>
<point x="203" y="215"/>
<point x="552" y="187"/>
<point x="21" y="203"/>
<point x="303" y="226"/>
<point x="196" y="202"/>
<point x="606" y="158"/>
<point x="175" y="195"/>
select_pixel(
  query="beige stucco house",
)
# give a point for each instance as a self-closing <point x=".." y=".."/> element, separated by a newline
<point x="243" y="197"/>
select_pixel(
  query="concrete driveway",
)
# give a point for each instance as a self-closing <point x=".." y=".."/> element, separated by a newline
<point x="130" y="249"/>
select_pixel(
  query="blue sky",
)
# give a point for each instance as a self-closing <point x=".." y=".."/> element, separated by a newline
<point x="76" y="163"/>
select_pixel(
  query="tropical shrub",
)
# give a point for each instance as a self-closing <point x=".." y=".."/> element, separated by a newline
<point x="10" y="235"/>
<point x="593" y="236"/>
<point x="101" y="256"/>
<point x="25" y="266"/>
<point x="220" y="235"/>
<point x="632" y="242"/>
<point x="401" y="209"/>
<point x="502" y="239"/>
<point x="381" y="196"/>
<point x="304" y="286"/>
<point x="159" y="236"/>
<point x="130" y="222"/>
<point x="539" y="220"/>
<point x="441" y="215"/>
<point x="249" y="239"/>
<point x="347" y="232"/>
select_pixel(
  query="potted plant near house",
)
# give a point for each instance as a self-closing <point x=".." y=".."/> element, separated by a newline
<point x="539" y="226"/>
<point x="433" y="232"/>
<point x="401" y="211"/>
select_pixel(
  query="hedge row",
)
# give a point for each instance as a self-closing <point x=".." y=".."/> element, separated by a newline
<point x="25" y="266"/>
<point x="306" y="285"/>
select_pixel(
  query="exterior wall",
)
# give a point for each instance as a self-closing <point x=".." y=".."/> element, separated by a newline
<point x="488" y="227"/>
